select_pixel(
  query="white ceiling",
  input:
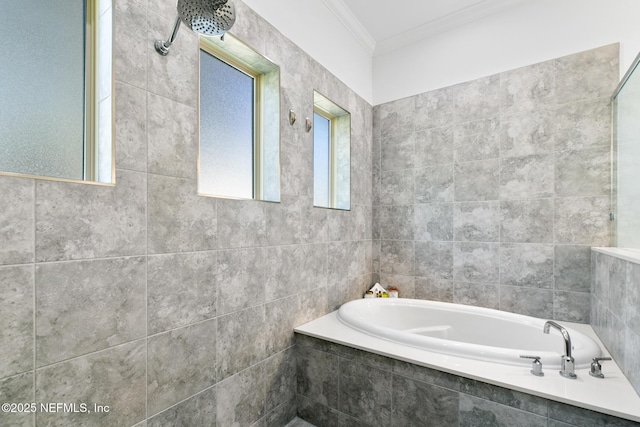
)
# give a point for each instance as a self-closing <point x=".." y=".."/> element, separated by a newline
<point x="382" y="26"/>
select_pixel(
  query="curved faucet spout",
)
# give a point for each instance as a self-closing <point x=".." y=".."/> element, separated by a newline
<point x="567" y="362"/>
<point x="563" y="331"/>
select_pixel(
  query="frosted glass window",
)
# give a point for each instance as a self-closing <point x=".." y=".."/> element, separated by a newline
<point x="51" y="114"/>
<point x="239" y="122"/>
<point x="331" y="154"/>
<point x="321" y="160"/>
<point x="226" y="129"/>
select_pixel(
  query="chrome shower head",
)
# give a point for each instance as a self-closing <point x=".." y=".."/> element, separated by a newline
<point x="206" y="17"/>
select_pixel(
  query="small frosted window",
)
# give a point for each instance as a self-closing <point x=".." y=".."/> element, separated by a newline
<point x="321" y="159"/>
<point x="226" y="129"/>
<point x="331" y="154"/>
<point x="42" y="92"/>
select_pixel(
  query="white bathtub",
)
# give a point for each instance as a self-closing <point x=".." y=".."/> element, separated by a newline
<point x="465" y="331"/>
<point x="612" y="395"/>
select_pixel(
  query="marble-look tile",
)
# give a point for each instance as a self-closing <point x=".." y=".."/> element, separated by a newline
<point x="572" y="306"/>
<point x="180" y="363"/>
<point x="582" y="220"/>
<point x="476" y="294"/>
<point x="434" y="289"/>
<point x="397" y="257"/>
<point x="587" y="75"/>
<point x="173" y="138"/>
<point x="337" y="261"/>
<point x="633" y="298"/>
<point x="16" y="300"/>
<point x="434" y="260"/>
<point x="583" y="125"/>
<point x="178" y="219"/>
<point x="397" y="222"/>
<point x="483" y="413"/>
<point x="396" y="117"/>
<point x="130" y="46"/>
<point x="477" y="99"/>
<point x="527" y="301"/>
<point x="434" y="147"/>
<point x="283" y="270"/>
<point x="75" y="221"/>
<point x="181" y="290"/>
<point x="114" y="377"/>
<point x="632" y="353"/>
<point x="572" y="268"/>
<point x="583" y="173"/>
<point x="241" y="399"/>
<point x="317" y="375"/>
<point x="175" y="76"/>
<point x="418" y="403"/>
<point x="504" y="396"/>
<point x="526" y="88"/>
<point x="528" y="177"/>
<point x="405" y="284"/>
<point x="584" y="417"/>
<point x="17" y="389"/>
<point x="251" y="28"/>
<point x="197" y="411"/>
<point x="240" y="277"/>
<point x="477" y="181"/>
<point x="529" y="265"/>
<point x="434" y="108"/>
<point x="434" y="184"/>
<point x="280" y="319"/>
<point x="296" y="169"/>
<point x="16" y="220"/>
<point x="84" y="306"/>
<point x="478" y="140"/>
<point x="241" y="223"/>
<point x="131" y="127"/>
<point x="398" y="151"/>
<point x="527" y="133"/>
<point x="318" y="414"/>
<point x="234" y="355"/>
<point x="284" y="220"/>
<point x="365" y="393"/>
<point x="280" y="379"/>
<point x="618" y="275"/>
<point x="476" y="221"/>
<point x="313" y="222"/>
<point x="396" y="187"/>
<point x="425" y="375"/>
<point x="476" y="262"/>
<point x="281" y="416"/>
<point x="601" y="283"/>
<point x="527" y="221"/>
<point x="433" y="222"/>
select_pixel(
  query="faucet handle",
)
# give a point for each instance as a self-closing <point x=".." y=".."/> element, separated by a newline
<point x="596" y="368"/>
<point x="536" y="365"/>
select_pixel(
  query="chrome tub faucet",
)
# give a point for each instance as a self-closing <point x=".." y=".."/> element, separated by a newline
<point x="568" y="363"/>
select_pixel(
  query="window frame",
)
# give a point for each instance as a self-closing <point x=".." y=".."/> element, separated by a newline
<point x="332" y="153"/>
<point x="266" y="116"/>
<point x="329" y="110"/>
<point x="257" y="78"/>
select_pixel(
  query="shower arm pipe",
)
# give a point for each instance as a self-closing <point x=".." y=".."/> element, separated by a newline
<point x="163" y="47"/>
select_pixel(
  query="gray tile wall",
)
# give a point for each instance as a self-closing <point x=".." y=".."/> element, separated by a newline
<point x="615" y="311"/>
<point x="171" y="308"/>
<point x="491" y="192"/>
<point x="344" y="387"/>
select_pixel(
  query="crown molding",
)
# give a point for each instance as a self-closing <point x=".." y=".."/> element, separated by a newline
<point x="442" y="24"/>
<point x="352" y="24"/>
